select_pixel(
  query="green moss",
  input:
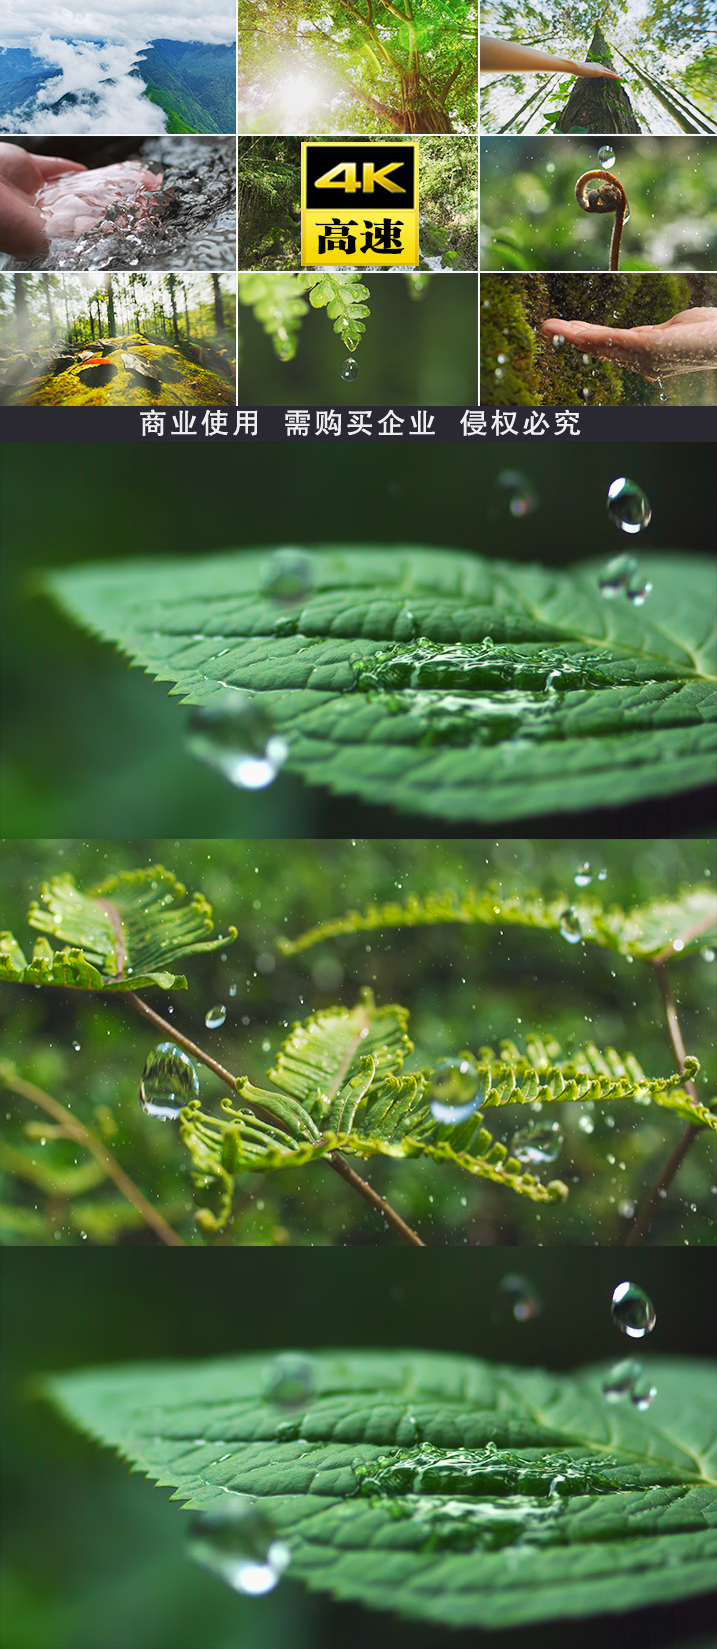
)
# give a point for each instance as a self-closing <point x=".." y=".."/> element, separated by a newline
<point x="513" y="308"/>
<point x="175" y="381"/>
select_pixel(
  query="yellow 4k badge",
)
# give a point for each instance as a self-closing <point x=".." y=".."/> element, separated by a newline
<point x="359" y="204"/>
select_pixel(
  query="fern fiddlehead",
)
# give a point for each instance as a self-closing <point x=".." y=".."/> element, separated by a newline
<point x="609" y="197"/>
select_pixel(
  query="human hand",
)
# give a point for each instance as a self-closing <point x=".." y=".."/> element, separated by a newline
<point x="588" y="69"/>
<point x="71" y="205"/>
<point x="686" y="343"/>
<point x="22" y="227"/>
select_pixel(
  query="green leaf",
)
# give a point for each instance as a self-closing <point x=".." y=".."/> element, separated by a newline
<point x="340" y="1086"/>
<point x="345" y="299"/>
<point x="278" y="306"/>
<point x="675" y="925"/>
<point x="122" y="934"/>
<point x="633" y="1521"/>
<point x="433" y="680"/>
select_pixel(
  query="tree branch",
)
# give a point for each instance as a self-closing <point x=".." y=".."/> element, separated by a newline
<point x="657" y="1194"/>
<point x="335" y="1159"/>
<point x="77" y="1131"/>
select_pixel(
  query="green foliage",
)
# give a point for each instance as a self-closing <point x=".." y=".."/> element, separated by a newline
<point x="389" y="1480"/>
<point x="441" y="682"/>
<point x="342" y="1087"/>
<point x="647" y="931"/>
<point x="278" y="305"/>
<point x="121" y="934"/>
<point x="343" y="296"/>
<point x="409" y="66"/>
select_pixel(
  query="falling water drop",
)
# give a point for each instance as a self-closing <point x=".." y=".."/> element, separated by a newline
<point x="456" y="1089"/>
<point x="583" y="875"/>
<point x="633" y="1311"/>
<point x="291" y="1380"/>
<point x="521" y="495"/>
<point x="586" y="1124"/>
<point x="606" y="155"/>
<point x="638" y="593"/>
<point x="214" y="1017"/>
<point x="169" y="1080"/>
<point x="235" y="735"/>
<point x="238" y="1544"/>
<point x="288" y="575"/>
<point x="628" y="506"/>
<point x="350" y="370"/>
<point x="537" y="1143"/>
<point x="643" y="1395"/>
<point x="570" y="926"/>
<point x="602" y="875"/>
<point x="526" y="1302"/>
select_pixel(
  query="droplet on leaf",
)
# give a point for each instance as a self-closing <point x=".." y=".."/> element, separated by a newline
<point x="235" y="735"/>
<point x="215" y="1017"/>
<point x="291" y="1380"/>
<point x="570" y="926"/>
<point x="456" y="1089"/>
<point x="238" y="1543"/>
<point x="288" y="575"/>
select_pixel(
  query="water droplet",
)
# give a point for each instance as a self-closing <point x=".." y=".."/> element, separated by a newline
<point x="617" y="575"/>
<point x="586" y="360"/>
<point x="232" y="990"/>
<point x="602" y="875"/>
<point x="169" y="1080"/>
<point x="456" y="1089"/>
<point x="238" y="1544"/>
<point x="537" y="1144"/>
<point x="643" y="1395"/>
<point x="522" y="497"/>
<point x="606" y="156"/>
<point x="633" y="1311"/>
<point x="586" y="1124"/>
<point x="628" y="506"/>
<point x="77" y="1046"/>
<point x="583" y="875"/>
<point x="291" y="1381"/>
<point x="501" y="359"/>
<point x="498" y="372"/>
<point x="619" y="1383"/>
<point x="288" y="575"/>
<point x="638" y="593"/>
<point x="526" y="1303"/>
<point x="350" y="370"/>
<point x="570" y="926"/>
<point x="235" y="735"/>
<point x="626" y="1209"/>
<point x="707" y="953"/>
<point x="214" y="1017"/>
<point x="558" y="340"/>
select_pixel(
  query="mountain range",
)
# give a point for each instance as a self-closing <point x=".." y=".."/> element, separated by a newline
<point x="194" y="83"/>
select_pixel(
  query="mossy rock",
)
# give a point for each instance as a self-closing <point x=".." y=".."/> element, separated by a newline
<point x="128" y="371"/>
<point x="535" y="373"/>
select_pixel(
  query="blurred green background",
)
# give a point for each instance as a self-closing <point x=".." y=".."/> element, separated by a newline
<point x="531" y="219"/>
<point x="94" y="1557"/>
<point x="416" y="351"/>
<point x="464" y="987"/>
<point x="87" y="742"/>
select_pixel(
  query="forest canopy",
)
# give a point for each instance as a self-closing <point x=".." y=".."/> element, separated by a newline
<point x="357" y="66"/>
<point x="664" y="54"/>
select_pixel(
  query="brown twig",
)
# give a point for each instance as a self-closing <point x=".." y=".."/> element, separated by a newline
<point x="335" y="1160"/>
<point x="657" y="1194"/>
<point x="77" y="1131"/>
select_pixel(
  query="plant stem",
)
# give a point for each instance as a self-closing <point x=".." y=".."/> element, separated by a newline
<point x="342" y="1167"/>
<point x="335" y="1160"/>
<point x="656" y="1195"/>
<point x="77" y="1131"/>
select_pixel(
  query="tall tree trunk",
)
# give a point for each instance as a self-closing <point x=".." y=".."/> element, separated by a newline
<point x="111" y="320"/>
<point x="597" y="104"/>
<point x="22" y="318"/>
<point x="218" y="305"/>
<point x="172" y="281"/>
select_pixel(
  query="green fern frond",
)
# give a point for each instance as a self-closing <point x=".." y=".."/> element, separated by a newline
<point x="120" y="935"/>
<point x="278" y="306"/>
<point x="643" y="932"/>
<point x="344" y="297"/>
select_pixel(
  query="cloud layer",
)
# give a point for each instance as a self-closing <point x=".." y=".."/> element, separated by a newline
<point x="108" y="98"/>
<point x="123" y="21"/>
